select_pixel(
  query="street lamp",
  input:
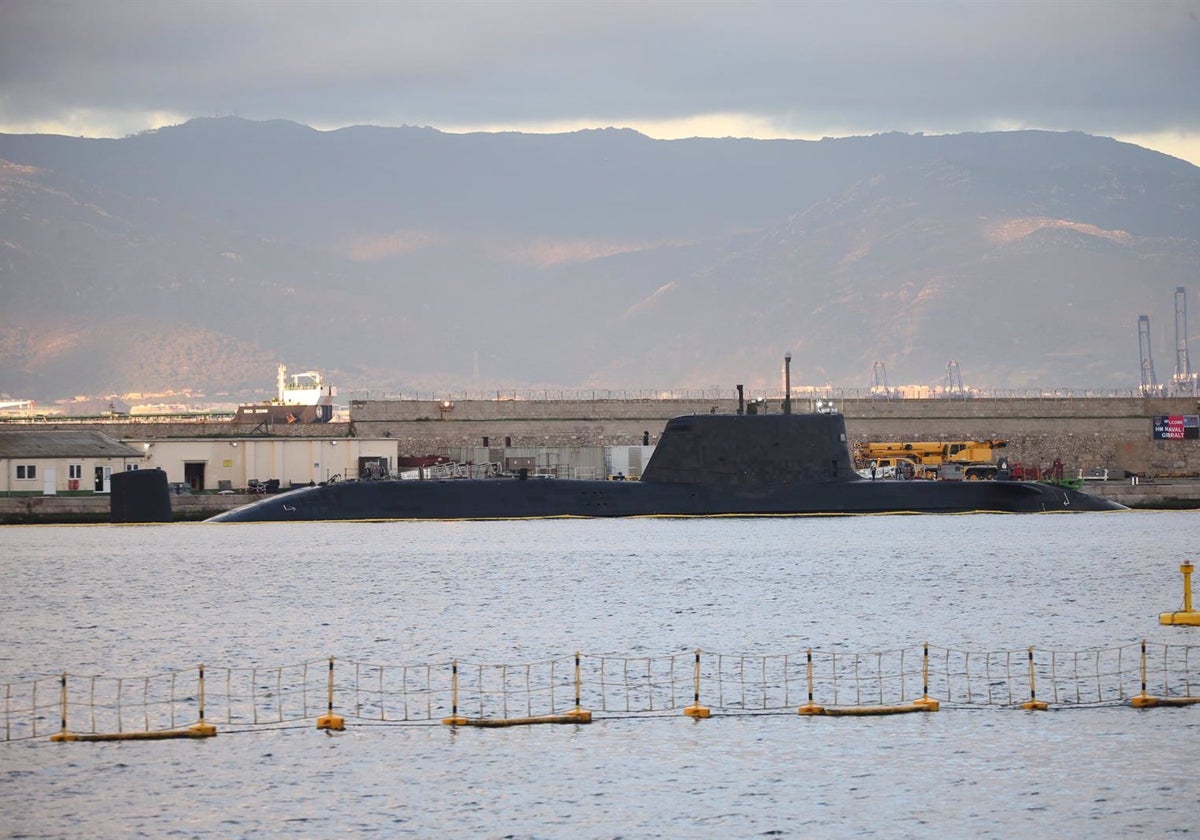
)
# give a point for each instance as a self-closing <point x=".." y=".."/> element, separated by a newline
<point x="787" y="382"/>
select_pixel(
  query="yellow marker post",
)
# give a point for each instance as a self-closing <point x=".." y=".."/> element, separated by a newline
<point x="201" y="729"/>
<point x="926" y="703"/>
<point x="455" y="718"/>
<point x="810" y="708"/>
<point x="696" y="710"/>
<point x="578" y="714"/>
<point x="1143" y="700"/>
<point x="63" y="734"/>
<point x="1186" y="616"/>
<point x="329" y="721"/>
<point x="1146" y="700"/>
<point x="1033" y="704"/>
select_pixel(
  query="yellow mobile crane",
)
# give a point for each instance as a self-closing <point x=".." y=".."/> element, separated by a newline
<point x="970" y="459"/>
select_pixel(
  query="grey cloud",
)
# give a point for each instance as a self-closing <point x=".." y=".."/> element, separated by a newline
<point x="1099" y="66"/>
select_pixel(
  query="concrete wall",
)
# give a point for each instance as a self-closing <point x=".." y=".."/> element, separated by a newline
<point x="1086" y="434"/>
<point x="44" y="510"/>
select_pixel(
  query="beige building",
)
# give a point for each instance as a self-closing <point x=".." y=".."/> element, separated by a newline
<point x="203" y="464"/>
<point x="48" y="462"/>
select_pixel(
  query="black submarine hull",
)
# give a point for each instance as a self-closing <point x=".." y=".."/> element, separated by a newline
<point x="704" y="465"/>
<point x="546" y="498"/>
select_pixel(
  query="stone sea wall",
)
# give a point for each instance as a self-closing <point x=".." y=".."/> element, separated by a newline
<point x="1093" y="434"/>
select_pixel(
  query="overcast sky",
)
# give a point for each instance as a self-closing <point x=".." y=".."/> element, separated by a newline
<point x="106" y="68"/>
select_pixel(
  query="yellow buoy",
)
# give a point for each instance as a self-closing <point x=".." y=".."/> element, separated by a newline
<point x="1186" y="616"/>
<point x="331" y="722"/>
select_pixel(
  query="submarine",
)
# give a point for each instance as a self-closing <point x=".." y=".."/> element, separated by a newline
<point x="744" y="464"/>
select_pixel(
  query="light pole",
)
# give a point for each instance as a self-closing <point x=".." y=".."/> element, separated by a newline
<point x="787" y="382"/>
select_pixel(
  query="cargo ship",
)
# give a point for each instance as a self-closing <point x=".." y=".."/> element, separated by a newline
<point x="744" y="464"/>
<point x="302" y="398"/>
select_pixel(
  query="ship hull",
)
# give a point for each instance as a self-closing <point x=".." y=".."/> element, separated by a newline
<point x="512" y="498"/>
<point x="703" y="465"/>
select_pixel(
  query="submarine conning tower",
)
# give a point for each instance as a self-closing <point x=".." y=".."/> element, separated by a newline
<point x="751" y="450"/>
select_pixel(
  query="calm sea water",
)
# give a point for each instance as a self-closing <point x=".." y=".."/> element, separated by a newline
<point x="132" y="600"/>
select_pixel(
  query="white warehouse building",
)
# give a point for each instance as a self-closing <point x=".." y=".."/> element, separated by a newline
<point x="203" y="464"/>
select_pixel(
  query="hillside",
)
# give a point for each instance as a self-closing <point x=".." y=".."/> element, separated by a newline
<point x="198" y="256"/>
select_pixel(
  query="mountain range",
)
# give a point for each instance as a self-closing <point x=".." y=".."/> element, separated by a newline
<point x="198" y="256"/>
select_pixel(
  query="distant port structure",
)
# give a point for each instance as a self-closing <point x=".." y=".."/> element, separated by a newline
<point x="1185" y="381"/>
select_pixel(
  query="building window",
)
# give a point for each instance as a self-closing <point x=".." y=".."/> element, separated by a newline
<point x="26" y="471"/>
<point x="75" y="471"/>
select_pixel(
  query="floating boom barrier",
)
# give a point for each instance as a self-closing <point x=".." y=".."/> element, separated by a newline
<point x="330" y="694"/>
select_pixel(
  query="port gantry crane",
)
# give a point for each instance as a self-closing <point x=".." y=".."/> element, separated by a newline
<point x="954" y="384"/>
<point x="1149" y="386"/>
<point x="879" y="382"/>
<point x="1183" y="384"/>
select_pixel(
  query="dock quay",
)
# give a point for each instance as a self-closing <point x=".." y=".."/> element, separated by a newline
<point x="1111" y="442"/>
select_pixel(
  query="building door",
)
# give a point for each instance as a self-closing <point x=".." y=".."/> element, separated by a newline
<point x="103" y="482"/>
<point x="193" y="475"/>
<point x="50" y="481"/>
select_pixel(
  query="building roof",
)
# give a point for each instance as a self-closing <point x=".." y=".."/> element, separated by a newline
<point x="80" y="443"/>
